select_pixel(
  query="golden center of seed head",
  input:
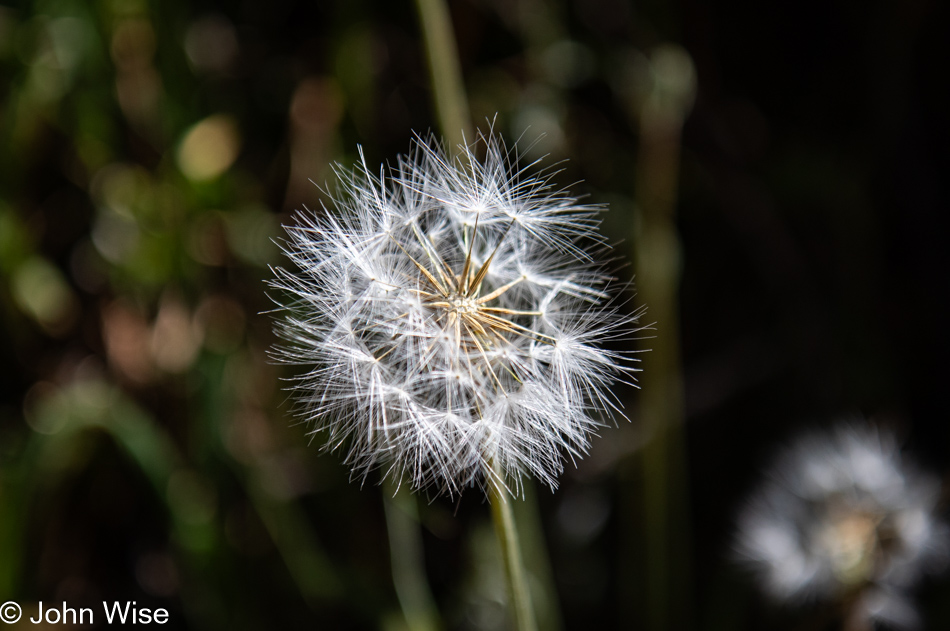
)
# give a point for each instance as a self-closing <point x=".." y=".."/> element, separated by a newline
<point x="463" y="305"/>
<point x="852" y="541"/>
<point x="464" y="312"/>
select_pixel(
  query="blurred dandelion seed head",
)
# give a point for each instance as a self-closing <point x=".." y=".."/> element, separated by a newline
<point x="452" y="317"/>
<point x="843" y="516"/>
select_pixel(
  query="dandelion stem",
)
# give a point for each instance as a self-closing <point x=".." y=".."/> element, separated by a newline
<point x="507" y="534"/>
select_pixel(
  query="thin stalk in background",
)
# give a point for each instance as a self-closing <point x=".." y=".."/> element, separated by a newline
<point x="445" y="72"/>
<point x="534" y="551"/>
<point x="662" y="111"/>
<point x="407" y="559"/>
<point x="286" y="523"/>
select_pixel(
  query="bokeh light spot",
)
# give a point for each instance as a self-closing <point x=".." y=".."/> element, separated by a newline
<point x="209" y="148"/>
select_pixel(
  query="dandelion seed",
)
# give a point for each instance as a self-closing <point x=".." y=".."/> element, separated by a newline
<point x="452" y="316"/>
<point x="843" y="518"/>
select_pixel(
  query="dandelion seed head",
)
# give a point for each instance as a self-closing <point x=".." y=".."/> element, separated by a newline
<point x="843" y="515"/>
<point x="451" y="319"/>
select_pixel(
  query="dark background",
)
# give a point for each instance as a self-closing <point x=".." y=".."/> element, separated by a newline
<point x="814" y="284"/>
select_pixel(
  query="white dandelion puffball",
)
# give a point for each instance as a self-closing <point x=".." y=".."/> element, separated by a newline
<point x="844" y="517"/>
<point x="452" y="316"/>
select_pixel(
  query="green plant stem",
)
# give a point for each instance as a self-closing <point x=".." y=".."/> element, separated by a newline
<point x="507" y="533"/>
<point x="406" y="557"/>
<point x="445" y="71"/>
<point x="661" y="115"/>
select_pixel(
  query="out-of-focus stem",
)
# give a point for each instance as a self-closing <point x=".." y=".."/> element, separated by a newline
<point x="507" y="534"/>
<point x="285" y="522"/>
<point x="445" y="71"/>
<point x="295" y="541"/>
<point x="407" y="559"/>
<point x="661" y="115"/>
<point x="527" y="515"/>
